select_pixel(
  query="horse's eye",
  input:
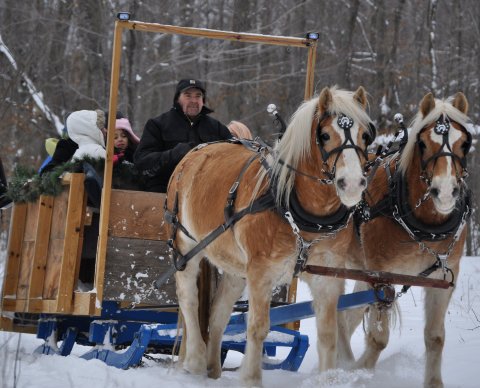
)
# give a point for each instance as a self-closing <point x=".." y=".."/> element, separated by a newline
<point x="421" y="145"/>
<point x="325" y="137"/>
<point x="367" y="138"/>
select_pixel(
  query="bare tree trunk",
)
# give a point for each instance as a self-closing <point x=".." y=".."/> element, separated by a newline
<point x="432" y="25"/>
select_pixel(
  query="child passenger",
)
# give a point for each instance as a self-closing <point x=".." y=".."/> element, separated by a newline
<point x="125" y="141"/>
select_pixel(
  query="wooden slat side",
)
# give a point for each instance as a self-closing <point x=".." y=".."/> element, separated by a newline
<point x="26" y="257"/>
<point x="84" y="303"/>
<point x="6" y="324"/>
<point x="73" y="226"/>
<point x="30" y="306"/>
<point x="55" y="249"/>
<point x="137" y="214"/>
<point x="14" y="249"/>
<point x="37" y="275"/>
<point x="32" y="221"/>
<point x="131" y="268"/>
<point x="57" y="230"/>
<point x="26" y="261"/>
<point x="53" y="267"/>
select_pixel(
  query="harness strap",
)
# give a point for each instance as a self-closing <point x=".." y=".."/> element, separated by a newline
<point x="265" y="202"/>
<point x="232" y="193"/>
<point x="424" y="274"/>
<point x="171" y="218"/>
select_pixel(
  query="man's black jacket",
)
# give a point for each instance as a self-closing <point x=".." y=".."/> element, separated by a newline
<point x="166" y="139"/>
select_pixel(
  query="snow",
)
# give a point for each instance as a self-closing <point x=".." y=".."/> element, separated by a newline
<point x="400" y="365"/>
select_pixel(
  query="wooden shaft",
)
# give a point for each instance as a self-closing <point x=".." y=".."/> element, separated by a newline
<point x="377" y="277"/>
<point x="216" y="34"/>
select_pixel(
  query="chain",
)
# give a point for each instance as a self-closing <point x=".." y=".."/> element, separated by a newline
<point x="303" y="246"/>
<point x="441" y="258"/>
<point x="423" y="199"/>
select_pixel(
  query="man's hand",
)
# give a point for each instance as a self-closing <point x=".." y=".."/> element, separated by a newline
<point x="180" y="150"/>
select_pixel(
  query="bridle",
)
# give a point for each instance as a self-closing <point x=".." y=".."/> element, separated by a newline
<point x="442" y="127"/>
<point x="346" y="123"/>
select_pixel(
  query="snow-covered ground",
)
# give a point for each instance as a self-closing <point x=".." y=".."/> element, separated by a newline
<point x="401" y="364"/>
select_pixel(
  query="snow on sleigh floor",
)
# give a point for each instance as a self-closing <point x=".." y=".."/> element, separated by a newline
<point x="401" y="364"/>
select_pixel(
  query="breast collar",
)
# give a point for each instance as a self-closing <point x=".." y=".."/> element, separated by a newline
<point x="395" y="204"/>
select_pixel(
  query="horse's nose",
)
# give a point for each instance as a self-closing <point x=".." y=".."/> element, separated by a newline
<point x="363" y="182"/>
<point x="434" y="192"/>
<point x="456" y="192"/>
<point x="341" y="183"/>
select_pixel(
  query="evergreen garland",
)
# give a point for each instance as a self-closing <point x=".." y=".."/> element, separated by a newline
<point x="26" y="185"/>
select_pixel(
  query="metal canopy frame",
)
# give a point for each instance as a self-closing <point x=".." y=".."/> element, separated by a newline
<point x="120" y="26"/>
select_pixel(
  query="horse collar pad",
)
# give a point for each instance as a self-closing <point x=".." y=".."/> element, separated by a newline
<point x="344" y="122"/>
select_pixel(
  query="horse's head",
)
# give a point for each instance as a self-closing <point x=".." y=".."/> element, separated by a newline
<point x="438" y="145"/>
<point x="326" y="141"/>
<point x="343" y="132"/>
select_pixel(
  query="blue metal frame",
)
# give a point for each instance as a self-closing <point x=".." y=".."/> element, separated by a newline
<point x="143" y="328"/>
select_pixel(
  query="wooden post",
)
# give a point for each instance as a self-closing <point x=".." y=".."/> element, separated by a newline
<point x="73" y="228"/>
<point x="310" y="77"/>
<point x="107" y="177"/>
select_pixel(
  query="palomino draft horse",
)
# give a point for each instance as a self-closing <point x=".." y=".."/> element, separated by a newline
<point x="419" y="204"/>
<point x="267" y="206"/>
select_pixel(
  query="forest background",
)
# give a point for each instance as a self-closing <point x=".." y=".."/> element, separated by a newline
<point x="55" y="58"/>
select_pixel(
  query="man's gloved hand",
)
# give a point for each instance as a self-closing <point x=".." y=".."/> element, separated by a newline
<point x="180" y="150"/>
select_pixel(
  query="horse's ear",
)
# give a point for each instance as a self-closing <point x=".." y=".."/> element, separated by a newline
<point x="427" y="104"/>
<point x="460" y="102"/>
<point x="325" y="100"/>
<point x="361" y="96"/>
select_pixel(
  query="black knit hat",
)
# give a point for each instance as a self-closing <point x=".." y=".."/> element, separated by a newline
<point x="186" y="84"/>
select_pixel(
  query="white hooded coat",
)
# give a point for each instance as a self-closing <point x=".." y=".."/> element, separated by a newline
<point x="84" y="128"/>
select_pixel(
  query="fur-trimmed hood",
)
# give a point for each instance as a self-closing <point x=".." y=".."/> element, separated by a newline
<point x="85" y="129"/>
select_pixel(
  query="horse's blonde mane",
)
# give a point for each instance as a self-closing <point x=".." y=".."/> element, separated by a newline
<point x="442" y="107"/>
<point x="296" y="142"/>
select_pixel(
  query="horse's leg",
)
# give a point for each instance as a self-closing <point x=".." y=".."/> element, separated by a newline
<point x="376" y="336"/>
<point x="325" y="294"/>
<point x="228" y="292"/>
<point x="436" y="304"/>
<point x="345" y="356"/>
<point x="258" y="325"/>
<point x="348" y="321"/>
<point x="187" y="293"/>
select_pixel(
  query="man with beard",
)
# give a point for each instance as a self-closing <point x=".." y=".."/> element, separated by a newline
<point x="166" y="139"/>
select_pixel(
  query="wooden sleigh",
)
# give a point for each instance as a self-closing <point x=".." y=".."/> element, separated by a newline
<point x="71" y="288"/>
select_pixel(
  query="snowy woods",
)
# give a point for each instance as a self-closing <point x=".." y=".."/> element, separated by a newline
<point x="55" y="57"/>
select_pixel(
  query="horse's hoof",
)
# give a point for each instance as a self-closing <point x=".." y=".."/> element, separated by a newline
<point x="214" y="372"/>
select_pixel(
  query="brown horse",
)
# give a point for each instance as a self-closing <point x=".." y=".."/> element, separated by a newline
<point x="418" y="204"/>
<point x="310" y="180"/>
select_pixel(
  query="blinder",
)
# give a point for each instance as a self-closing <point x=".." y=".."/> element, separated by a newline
<point x="346" y="123"/>
<point x="442" y="127"/>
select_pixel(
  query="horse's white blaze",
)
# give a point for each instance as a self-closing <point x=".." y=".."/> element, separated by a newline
<point x="351" y="172"/>
<point x="445" y="181"/>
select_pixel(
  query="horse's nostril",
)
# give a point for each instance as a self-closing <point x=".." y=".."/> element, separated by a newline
<point x="341" y="183"/>
<point x="456" y="192"/>
<point x="363" y="182"/>
<point x="434" y="192"/>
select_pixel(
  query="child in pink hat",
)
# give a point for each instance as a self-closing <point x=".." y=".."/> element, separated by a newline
<point x="125" y="141"/>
